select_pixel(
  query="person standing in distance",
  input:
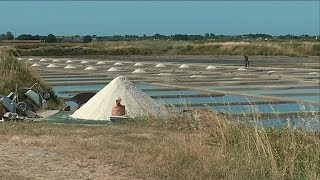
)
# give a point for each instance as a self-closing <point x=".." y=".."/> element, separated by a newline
<point x="246" y="61"/>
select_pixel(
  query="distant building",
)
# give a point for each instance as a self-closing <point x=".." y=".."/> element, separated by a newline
<point x="21" y="41"/>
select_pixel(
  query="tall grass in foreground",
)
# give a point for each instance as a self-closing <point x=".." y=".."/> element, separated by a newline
<point x="222" y="147"/>
<point x="209" y="146"/>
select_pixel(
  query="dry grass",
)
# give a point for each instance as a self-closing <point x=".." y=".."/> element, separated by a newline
<point x="208" y="148"/>
<point x="164" y="47"/>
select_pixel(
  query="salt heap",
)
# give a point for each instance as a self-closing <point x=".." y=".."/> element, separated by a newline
<point x="52" y="66"/>
<point x="197" y="76"/>
<point x="56" y="60"/>
<point x="270" y="72"/>
<point x="138" y="64"/>
<point x="20" y="59"/>
<point x="137" y="103"/>
<point x="43" y="60"/>
<point x="69" y="67"/>
<point x="113" y="69"/>
<point x="160" y="65"/>
<point x="118" y="64"/>
<point x="139" y="71"/>
<point x="69" y="61"/>
<point x="35" y="65"/>
<point x="84" y="62"/>
<point x="90" y="68"/>
<point x="184" y="66"/>
<point x="100" y="62"/>
<point x="31" y="59"/>
<point x="314" y="73"/>
<point x="211" y="67"/>
<point x="164" y="74"/>
<point x="242" y="69"/>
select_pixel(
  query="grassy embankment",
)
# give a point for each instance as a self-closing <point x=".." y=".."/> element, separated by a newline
<point x="180" y="148"/>
<point x="161" y="47"/>
<point x="15" y="75"/>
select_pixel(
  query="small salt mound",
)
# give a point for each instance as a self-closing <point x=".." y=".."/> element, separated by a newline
<point x="211" y="67"/>
<point x="101" y="62"/>
<point x="56" y="60"/>
<point x="164" y="74"/>
<point x="198" y="76"/>
<point x="139" y="71"/>
<point x="20" y="59"/>
<point x="118" y="64"/>
<point x="52" y="66"/>
<point x="113" y="69"/>
<point x="35" y="65"/>
<point x="69" y="61"/>
<point x="84" y="62"/>
<point x="137" y="103"/>
<point x="43" y="60"/>
<point x="313" y="73"/>
<point x="269" y="72"/>
<point x="138" y="64"/>
<point x="184" y="66"/>
<point x="69" y="67"/>
<point x="242" y="69"/>
<point x="31" y="59"/>
<point x="160" y="65"/>
<point x="90" y="68"/>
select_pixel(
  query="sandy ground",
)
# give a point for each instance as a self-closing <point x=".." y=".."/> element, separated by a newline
<point x="20" y="162"/>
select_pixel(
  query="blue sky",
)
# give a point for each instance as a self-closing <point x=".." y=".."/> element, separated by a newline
<point x="164" y="17"/>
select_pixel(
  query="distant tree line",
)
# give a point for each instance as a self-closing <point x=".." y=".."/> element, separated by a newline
<point x="209" y="36"/>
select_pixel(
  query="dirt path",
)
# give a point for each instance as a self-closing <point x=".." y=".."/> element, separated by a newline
<point x="18" y="162"/>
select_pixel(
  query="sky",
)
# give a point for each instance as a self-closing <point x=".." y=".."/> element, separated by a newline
<point x="163" y="17"/>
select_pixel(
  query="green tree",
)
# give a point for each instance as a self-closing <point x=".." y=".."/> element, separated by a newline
<point x="51" y="38"/>
<point x="8" y="36"/>
<point x="87" y="39"/>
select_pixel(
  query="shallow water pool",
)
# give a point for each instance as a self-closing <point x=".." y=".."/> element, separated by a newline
<point x="203" y="100"/>
<point x="178" y="92"/>
<point x="265" y="108"/>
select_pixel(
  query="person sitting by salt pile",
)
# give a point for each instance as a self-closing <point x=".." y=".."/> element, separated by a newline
<point x="118" y="109"/>
<point x="137" y="103"/>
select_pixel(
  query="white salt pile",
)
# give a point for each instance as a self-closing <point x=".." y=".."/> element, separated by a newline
<point x="160" y="65"/>
<point x="164" y="74"/>
<point x="118" y="64"/>
<point x="313" y="73"/>
<point x="52" y="66"/>
<point x="197" y="76"/>
<point x="69" y="67"/>
<point x="84" y="62"/>
<point x="211" y="67"/>
<point x="139" y="71"/>
<point x="35" y="65"/>
<point x="43" y="60"/>
<point x="137" y="103"/>
<point x="56" y="60"/>
<point x="20" y="59"/>
<point x="69" y="61"/>
<point x="184" y="66"/>
<point x="100" y="62"/>
<point x="242" y="69"/>
<point x="90" y="68"/>
<point x="113" y="69"/>
<point x="31" y="59"/>
<point x="138" y="64"/>
<point x="270" y="72"/>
